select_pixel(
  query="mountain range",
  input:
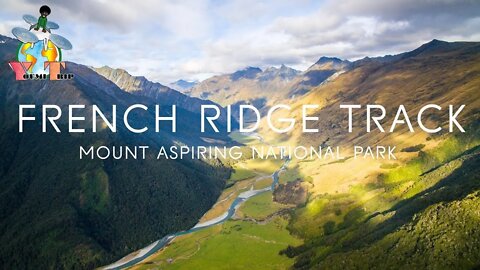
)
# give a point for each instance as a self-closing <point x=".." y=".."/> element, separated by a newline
<point x="263" y="88"/>
<point x="417" y="211"/>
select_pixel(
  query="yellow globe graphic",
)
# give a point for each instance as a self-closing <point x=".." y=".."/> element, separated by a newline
<point x="38" y="55"/>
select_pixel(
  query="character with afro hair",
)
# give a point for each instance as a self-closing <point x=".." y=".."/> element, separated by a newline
<point x="42" y="20"/>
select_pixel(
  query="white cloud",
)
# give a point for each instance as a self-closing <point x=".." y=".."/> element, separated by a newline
<point x="347" y="29"/>
<point x="166" y="40"/>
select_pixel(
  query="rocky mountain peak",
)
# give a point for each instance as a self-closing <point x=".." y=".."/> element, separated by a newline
<point x="246" y="73"/>
<point x="182" y="85"/>
<point x="326" y="59"/>
<point x="284" y="73"/>
<point x="330" y="63"/>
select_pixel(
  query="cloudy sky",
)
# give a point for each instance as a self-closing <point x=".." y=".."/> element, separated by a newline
<point x="166" y="40"/>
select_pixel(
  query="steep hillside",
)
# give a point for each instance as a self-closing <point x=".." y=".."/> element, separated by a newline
<point x="157" y="92"/>
<point x="60" y="212"/>
<point x="430" y="223"/>
<point x="417" y="211"/>
<point x="325" y="69"/>
<point x="436" y="229"/>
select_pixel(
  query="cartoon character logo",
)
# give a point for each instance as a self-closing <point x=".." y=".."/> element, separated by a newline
<point x="39" y="55"/>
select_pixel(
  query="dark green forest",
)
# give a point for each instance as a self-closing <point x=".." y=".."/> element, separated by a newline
<point x="60" y="212"/>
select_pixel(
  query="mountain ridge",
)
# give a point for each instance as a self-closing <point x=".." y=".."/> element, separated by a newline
<point x="158" y="92"/>
<point x="182" y="85"/>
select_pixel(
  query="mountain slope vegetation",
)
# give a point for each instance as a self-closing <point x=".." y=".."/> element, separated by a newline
<point x="418" y="211"/>
<point x="61" y="212"/>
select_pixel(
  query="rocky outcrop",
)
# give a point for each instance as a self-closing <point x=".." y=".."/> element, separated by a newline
<point x="295" y="192"/>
